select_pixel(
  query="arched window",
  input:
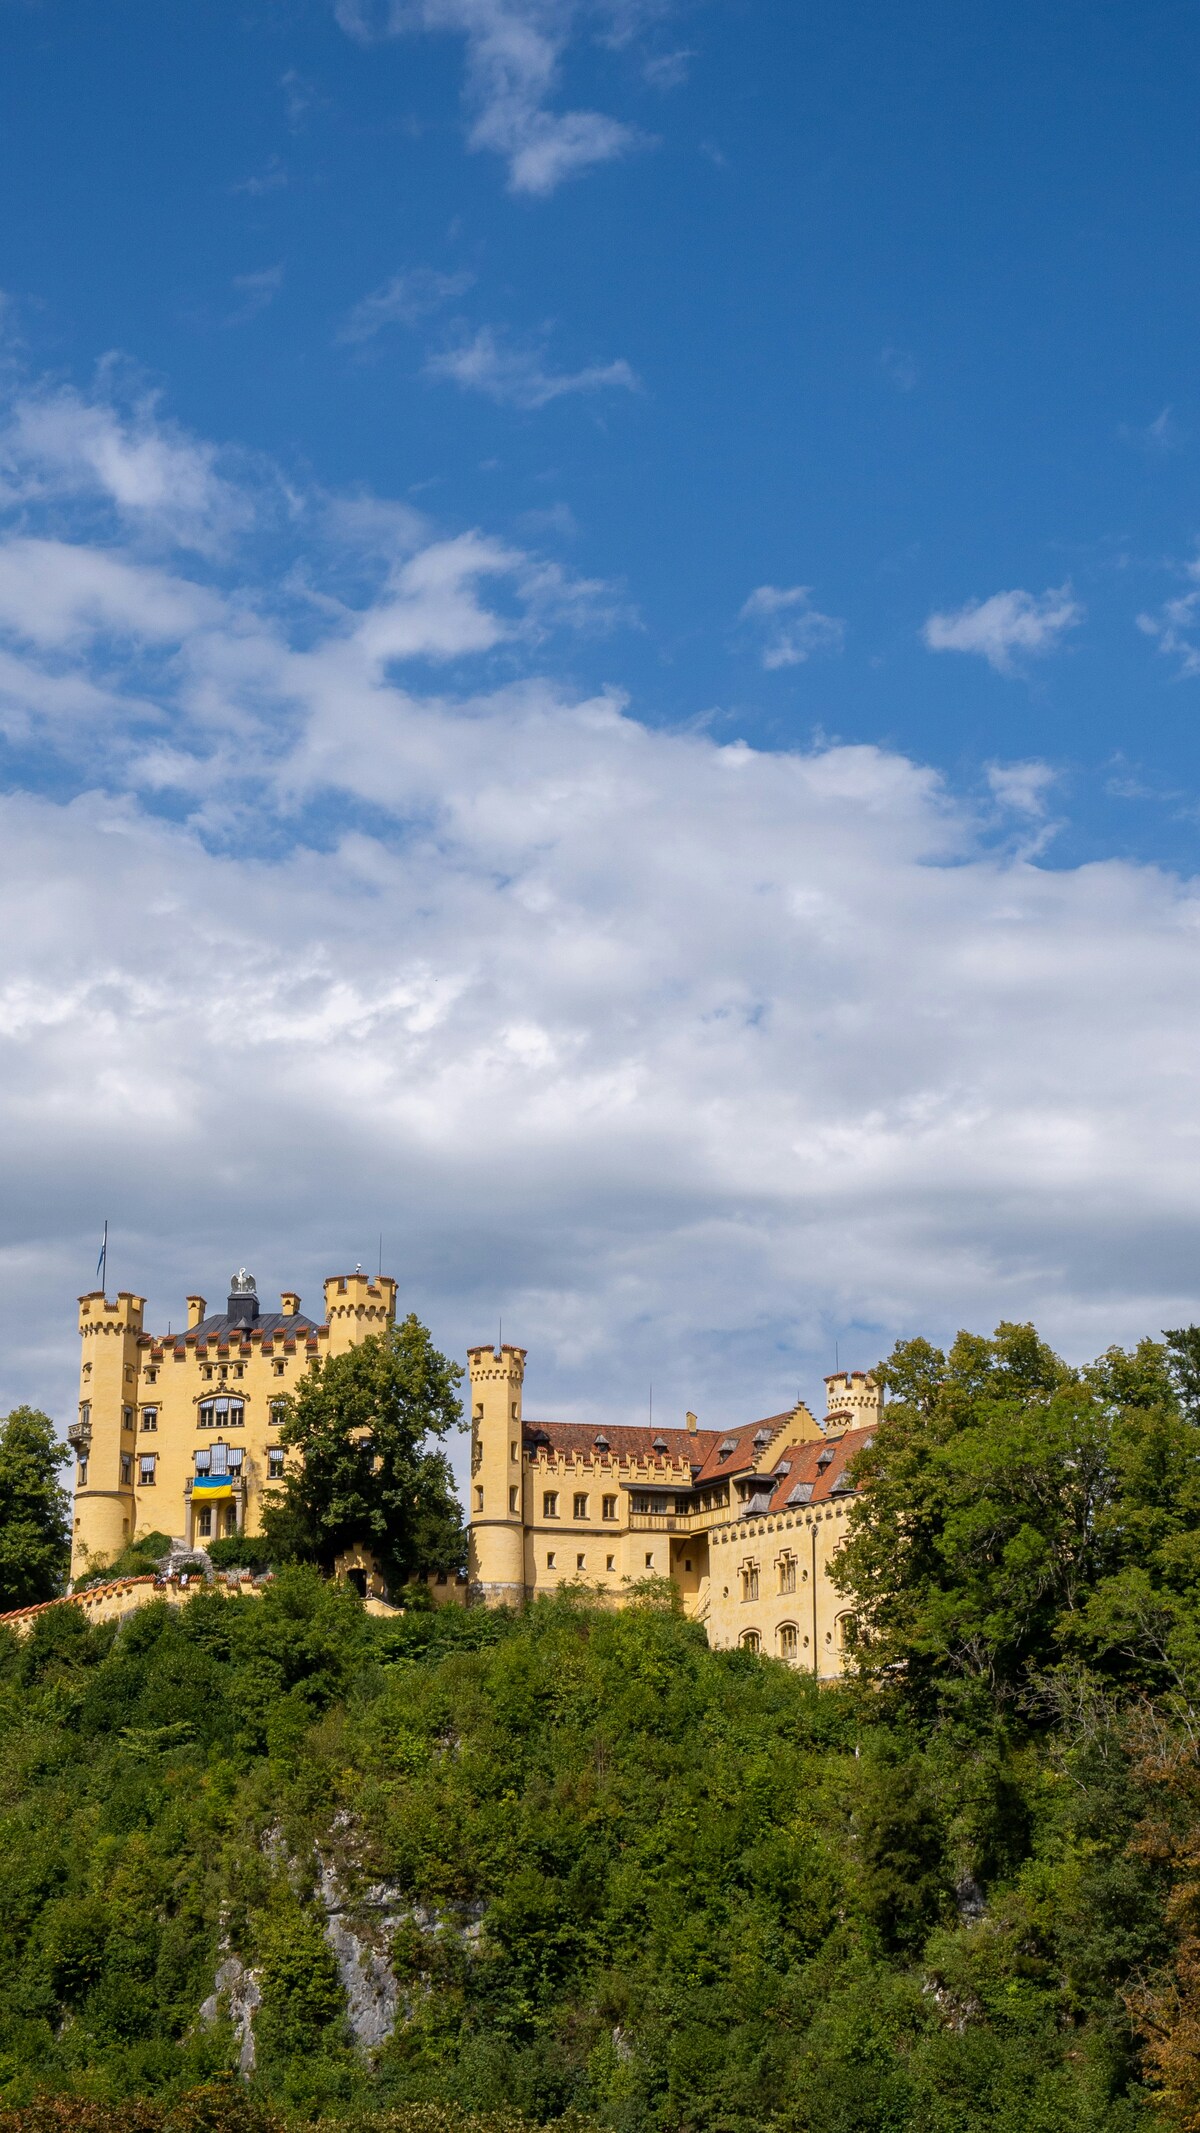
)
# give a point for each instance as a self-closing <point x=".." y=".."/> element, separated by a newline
<point x="221" y="1413"/>
<point x="750" y="1640"/>
<point x="789" y="1642"/>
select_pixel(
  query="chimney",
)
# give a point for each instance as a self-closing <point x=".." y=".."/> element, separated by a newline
<point x="290" y="1303"/>
<point x="196" y="1308"/>
<point x="691" y="1421"/>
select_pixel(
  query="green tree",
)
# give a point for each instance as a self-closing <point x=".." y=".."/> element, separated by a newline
<point x="1016" y="1513"/>
<point x="35" y="1523"/>
<point x="368" y="1474"/>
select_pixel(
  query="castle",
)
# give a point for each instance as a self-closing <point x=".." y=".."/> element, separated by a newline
<point x="177" y="1433"/>
<point x="744" y="1522"/>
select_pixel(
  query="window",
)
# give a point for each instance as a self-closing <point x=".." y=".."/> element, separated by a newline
<point x="581" y="1562"/>
<point x="581" y="1509"/>
<point x="787" y="1573"/>
<point x="221" y="1413"/>
<point x="83" y="1473"/>
<point x="127" y="1418"/>
<point x="610" y="1562"/>
<point x="478" y="1498"/>
<point x="152" y="1377"/>
<point x="220" y="1459"/>
<point x="608" y="1507"/>
<point x="230" y="1521"/>
<point x="278" y="1412"/>
<point x="750" y="1640"/>
<point x="204" y="1522"/>
<point x="512" y="1451"/>
<point x="278" y="1369"/>
<point x="550" y="1560"/>
<point x="789" y="1642"/>
<point x="147" y="1464"/>
<point x="550" y="1504"/>
<point x="750" y="1582"/>
<point x="126" y="1470"/>
<point x="687" y="1562"/>
<point x="649" y="1561"/>
<point x="85" y="1414"/>
<point x="149" y="1418"/>
<point x="274" y="1463"/>
<point x="513" y="1505"/>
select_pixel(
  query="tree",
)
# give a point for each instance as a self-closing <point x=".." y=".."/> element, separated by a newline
<point x="361" y="1423"/>
<point x="35" y="1520"/>
<point x="1016" y="1514"/>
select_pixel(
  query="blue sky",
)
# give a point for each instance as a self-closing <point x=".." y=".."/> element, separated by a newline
<point x="600" y="628"/>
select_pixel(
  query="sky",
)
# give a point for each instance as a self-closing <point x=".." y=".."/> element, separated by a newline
<point x="599" y="668"/>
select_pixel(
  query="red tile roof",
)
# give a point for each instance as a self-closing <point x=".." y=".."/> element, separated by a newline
<point x="803" y="1463"/>
<point x="699" y="1449"/>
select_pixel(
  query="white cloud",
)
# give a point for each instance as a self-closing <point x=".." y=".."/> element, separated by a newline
<point x="514" y="54"/>
<point x="1007" y="628"/>
<point x="792" y="628"/>
<point x="255" y="293"/>
<point x="1176" y="626"/>
<point x="517" y="376"/>
<point x="1022" y="786"/>
<point x="57" y="443"/>
<point x="683" y="1056"/>
<point x="402" y="300"/>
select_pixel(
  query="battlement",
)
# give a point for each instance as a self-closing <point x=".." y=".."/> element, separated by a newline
<point x="502" y="1365"/>
<point x="98" y="1315"/>
<point x="356" y="1295"/>
<point x="854" y="1399"/>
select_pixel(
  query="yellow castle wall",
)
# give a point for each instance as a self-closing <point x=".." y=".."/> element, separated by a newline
<point x="128" y="1378"/>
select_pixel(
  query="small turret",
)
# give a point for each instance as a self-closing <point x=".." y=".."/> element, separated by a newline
<point x="853" y="1399"/>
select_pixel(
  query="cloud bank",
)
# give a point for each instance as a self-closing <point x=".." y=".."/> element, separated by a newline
<point x="327" y="908"/>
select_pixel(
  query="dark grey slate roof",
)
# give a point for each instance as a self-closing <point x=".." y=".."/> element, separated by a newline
<point x="218" y="1326"/>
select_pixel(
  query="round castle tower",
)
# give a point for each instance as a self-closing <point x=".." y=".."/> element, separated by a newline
<point x="497" y="1557"/>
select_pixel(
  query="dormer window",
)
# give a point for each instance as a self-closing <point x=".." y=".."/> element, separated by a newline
<point x="600" y="1444"/>
<point x="729" y="1445"/>
<point x="659" y="1445"/>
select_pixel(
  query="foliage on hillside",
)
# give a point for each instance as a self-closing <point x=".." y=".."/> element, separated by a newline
<point x="35" y="1525"/>
<point x="645" y="1886"/>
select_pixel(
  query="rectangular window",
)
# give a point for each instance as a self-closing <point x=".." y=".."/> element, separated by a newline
<point x="83" y="1473"/>
<point x="126" y="1470"/>
<point x="512" y="1451"/>
<point x="610" y="1562"/>
<point x="152" y="1377"/>
<point x="149" y="1418"/>
<point x="204" y="1521"/>
<point x="274" y="1464"/>
<point x="478" y="1498"/>
<point x="147" y="1464"/>
<point x="127" y="1418"/>
<point x="279" y="1370"/>
<point x="550" y="1504"/>
<point x="278" y="1413"/>
<point x="608" y="1507"/>
<point x="750" y="1581"/>
<point x="550" y="1560"/>
<point x="513" y="1504"/>
<point x="85" y="1414"/>
<point x="581" y="1509"/>
<point x="649" y="1562"/>
<point x="787" y="1573"/>
<point x="581" y="1562"/>
<point x="230" y="1521"/>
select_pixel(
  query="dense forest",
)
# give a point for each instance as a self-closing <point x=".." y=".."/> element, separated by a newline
<point x="575" y="1865"/>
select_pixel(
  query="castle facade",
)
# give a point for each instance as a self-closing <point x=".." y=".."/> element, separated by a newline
<point x="178" y="1433"/>
<point x="744" y="1522"/>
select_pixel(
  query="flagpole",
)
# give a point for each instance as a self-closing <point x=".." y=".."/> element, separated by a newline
<point x="102" y="1261"/>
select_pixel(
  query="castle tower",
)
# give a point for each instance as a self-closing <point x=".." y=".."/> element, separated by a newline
<point x="497" y="1560"/>
<point x="104" y="1436"/>
<point x="854" y="1400"/>
<point x="356" y="1305"/>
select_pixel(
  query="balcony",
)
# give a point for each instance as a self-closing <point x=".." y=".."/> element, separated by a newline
<point x="666" y="1521"/>
<point x="79" y="1433"/>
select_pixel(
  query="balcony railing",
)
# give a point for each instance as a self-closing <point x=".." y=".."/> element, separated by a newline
<point x="79" y="1433"/>
<point x="664" y="1521"/>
